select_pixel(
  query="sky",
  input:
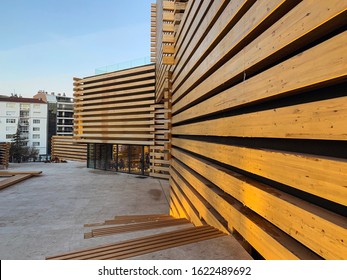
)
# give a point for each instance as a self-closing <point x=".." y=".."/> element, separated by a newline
<point x="45" y="43"/>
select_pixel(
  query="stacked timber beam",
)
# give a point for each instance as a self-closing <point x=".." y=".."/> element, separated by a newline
<point x="65" y="148"/>
<point x="4" y="154"/>
<point x="116" y="107"/>
<point x="153" y="32"/>
<point x="159" y="152"/>
<point x="259" y="103"/>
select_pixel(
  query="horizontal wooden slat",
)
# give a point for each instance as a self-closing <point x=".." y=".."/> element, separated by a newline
<point x="315" y="175"/>
<point x="327" y="62"/>
<point x="144" y="245"/>
<point x="115" y="141"/>
<point x="125" y="72"/>
<point x="205" y="211"/>
<point x="316" y="120"/>
<point x="134" y="91"/>
<point x="115" y="99"/>
<point x="115" y="105"/>
<point x="123" y="79"/>
<point x="268" y="240"/>
<point x="184" y="205"/>
<point x="294" y="216"/>
<point x="236" y="66"/>
<point x="119" y="111"/>
<point x="135" y="227"/>
<point x="262" y="11"/>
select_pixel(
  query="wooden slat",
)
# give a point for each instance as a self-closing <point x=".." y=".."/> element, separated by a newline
<point x="203" y="207"/>
<point x="316" y="120"/>
<point x="298" y="218"/>
<point x="327" y="62"/>
<point x="188" y="207"/>
<point x="268" y="240"/>
<point x="134" y="91"/>
<point x="115" y="105"/>
<point x="178" y="206"/>
<point x="11" y="173"/>
<point x="135" y="227"/>
<point x="13" y="180"/>
<point x="318" y="176"/>
<point x="237" y="65"/>
<point x="261" y="12"/>
<point x="215" y="12"/>
<point x="122" y="79"/>
<point x="131" y="220"/>
<point x="144" y="245"/>
<point x="125" y="72"/>
<point x="115" y="141"/>
<point x="64" y="147"/>
<point x="115" y="99"/>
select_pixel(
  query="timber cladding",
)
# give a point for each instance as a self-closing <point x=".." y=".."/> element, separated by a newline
<point x="119" y="108"/>
<point x="65" y="148"/>
<point x="116" y="108"/>
<point x="4" y="154"/>
<point x="258" y="99"/>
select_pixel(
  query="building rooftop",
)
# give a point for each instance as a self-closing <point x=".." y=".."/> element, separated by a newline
<point x="20" y="99"/>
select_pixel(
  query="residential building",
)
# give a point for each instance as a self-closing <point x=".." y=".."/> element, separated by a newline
<point x="27" y="114"/>
<point x="60" y="114"/>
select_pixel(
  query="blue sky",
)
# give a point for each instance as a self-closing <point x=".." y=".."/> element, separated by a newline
<point x="45" y="43"/>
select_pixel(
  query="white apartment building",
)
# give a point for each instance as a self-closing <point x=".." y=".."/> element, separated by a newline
<point x="31" y="116"/>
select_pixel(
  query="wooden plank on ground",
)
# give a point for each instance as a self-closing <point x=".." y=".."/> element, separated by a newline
<point x="135" y="227"/>
<point x="10" y="173"/>
<point x="140" y="246"/>
<point x="13" y="180"/>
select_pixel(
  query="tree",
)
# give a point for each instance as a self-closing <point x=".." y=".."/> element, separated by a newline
<point x="18" y="146"/>
<point x="33" y="153"/>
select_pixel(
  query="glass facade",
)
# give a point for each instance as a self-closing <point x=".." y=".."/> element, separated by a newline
<point x="132" y="159"/>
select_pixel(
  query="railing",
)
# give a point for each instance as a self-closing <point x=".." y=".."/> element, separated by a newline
<point x="123" y="65"/>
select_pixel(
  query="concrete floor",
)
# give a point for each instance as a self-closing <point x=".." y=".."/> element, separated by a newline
<point x="44" y="215"/>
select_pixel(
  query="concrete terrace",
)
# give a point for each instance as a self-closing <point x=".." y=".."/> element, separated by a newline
<point x="44" y="215"/>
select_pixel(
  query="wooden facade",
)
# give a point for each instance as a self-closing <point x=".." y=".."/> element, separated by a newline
<point x="4" y="154"/>
<point x="65" y="148"/>
<point x="256" y="95"/>
<point x="119" y="108"/>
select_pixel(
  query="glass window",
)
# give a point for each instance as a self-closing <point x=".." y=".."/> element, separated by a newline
<point x="24" y="106"/>
<point x="36" y="121"/>
<point x="9" y="136"/>
<point x="123" y="158"/>
<point x="91" y="155"/>
<point x="10" y="113"/>
<point x="10" y="128"/>
<point x="10" y="105"/>
<point x="36" y="129"/>
<point x="136" y="159"/>
<point x="35" y="144"/>
<point x="36" y="136"/>
<point x="10" y="120"/>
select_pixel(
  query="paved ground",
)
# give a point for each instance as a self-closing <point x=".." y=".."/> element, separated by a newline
<point x="44" y="215"/>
